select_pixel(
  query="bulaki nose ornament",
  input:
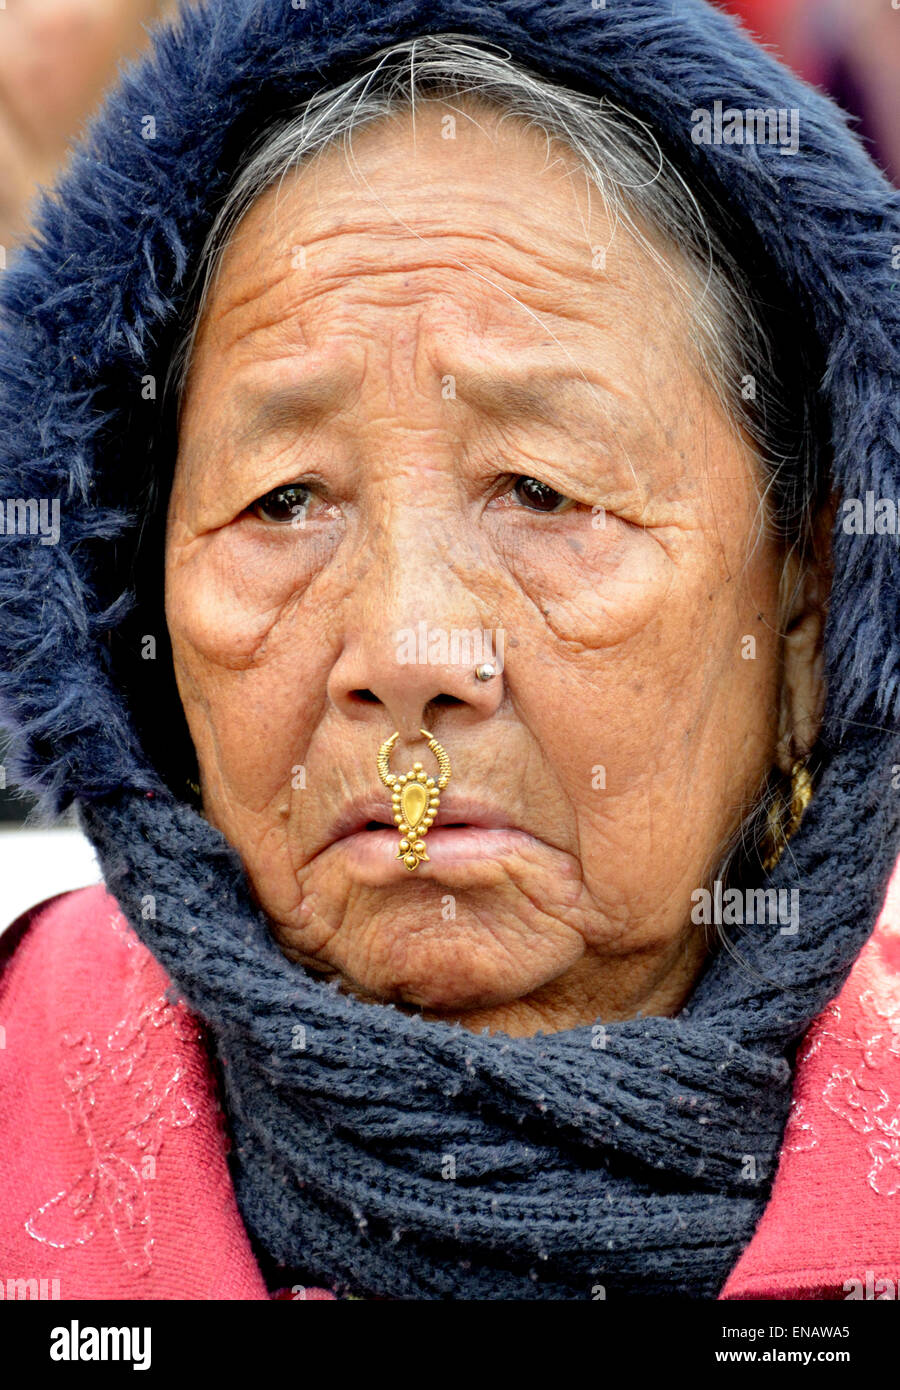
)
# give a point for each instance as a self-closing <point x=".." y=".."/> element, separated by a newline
<point x="415" y="797"/>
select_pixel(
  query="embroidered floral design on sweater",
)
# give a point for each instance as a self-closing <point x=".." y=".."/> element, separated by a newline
<point x="854" y="1089"/>
<point x="120" y="1098"/>
<point x="801" y="1134"/>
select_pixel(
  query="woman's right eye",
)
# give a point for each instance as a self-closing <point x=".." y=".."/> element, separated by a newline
<point x="282" y="505"/>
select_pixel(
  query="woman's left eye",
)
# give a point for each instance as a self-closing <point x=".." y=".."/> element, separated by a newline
<point x="540" y="497"/>
<point x="282" y="504"/>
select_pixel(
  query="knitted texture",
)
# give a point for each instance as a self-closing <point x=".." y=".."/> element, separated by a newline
<point x="622" y="1164"/>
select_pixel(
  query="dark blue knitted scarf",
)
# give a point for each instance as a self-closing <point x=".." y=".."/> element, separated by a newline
<point x="374" y="1152"/>
<point x="380" y="1154"/>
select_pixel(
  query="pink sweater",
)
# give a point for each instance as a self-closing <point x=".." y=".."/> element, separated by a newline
<point x="114" y="1174"/>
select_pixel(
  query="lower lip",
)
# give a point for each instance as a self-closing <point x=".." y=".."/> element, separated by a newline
<point x="376" y="850"/>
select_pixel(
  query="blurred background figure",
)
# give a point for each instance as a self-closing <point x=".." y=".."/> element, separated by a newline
<point x="57" y="59"/>
<point x="850" y="48"/>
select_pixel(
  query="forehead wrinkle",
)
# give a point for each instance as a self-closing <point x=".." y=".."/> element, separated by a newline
<point x="553" y="272"/>
<point x="500" y="398"/>
<point x="556" y="291"/>
<point x="410" y="207"/>
<point x="554" y="266"/>
<point x="233" y="270"/>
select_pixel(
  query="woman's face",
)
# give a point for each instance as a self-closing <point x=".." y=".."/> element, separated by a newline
<point x="481" y="427"/>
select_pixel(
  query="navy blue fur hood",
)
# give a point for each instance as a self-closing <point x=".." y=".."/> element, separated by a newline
<point x="90" y="305"/>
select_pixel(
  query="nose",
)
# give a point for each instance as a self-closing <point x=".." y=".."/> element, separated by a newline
<point x="406" y="683"/>
<point x="399" y="669"/>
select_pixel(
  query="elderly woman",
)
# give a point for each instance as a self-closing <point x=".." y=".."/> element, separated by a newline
<point x="456" y="431"/>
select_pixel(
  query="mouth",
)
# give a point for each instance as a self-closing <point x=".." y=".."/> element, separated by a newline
<point x="384" y="825"/>
<point x="370" y="815"/>
<point x="374" y="847"/>
<point x="461" y="833"/>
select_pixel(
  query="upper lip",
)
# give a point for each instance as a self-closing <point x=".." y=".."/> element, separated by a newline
<point x="453" y="810"/>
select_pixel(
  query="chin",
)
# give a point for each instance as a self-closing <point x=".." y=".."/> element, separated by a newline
<point x="454" y="977"/>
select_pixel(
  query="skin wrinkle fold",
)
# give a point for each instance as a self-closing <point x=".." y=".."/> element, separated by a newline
<point x="279" y="629"/>
<point x="468" y="267"/>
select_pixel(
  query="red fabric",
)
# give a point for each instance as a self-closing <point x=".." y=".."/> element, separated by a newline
<point x="765" y="18"/>
<point x="114" y="1175"/>
<point x="834" y="1213"/>
<point x="789" y="28"/>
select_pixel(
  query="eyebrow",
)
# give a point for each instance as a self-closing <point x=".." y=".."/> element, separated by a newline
<point x="533" y="394"/>
<point x="304" y="401"/>
<point x="516" y="393"/>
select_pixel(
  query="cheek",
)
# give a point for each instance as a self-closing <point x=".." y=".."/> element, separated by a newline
<point x="592" y="582"/>
<point x="649" y="680"/>
<point x="248" y="648"/>
<point x="227" y="590"/>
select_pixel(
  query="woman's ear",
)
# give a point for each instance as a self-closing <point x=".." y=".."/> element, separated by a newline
<point x="805" y="588"/>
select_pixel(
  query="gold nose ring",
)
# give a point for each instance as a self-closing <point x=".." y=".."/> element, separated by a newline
<point x="415" y="798"/>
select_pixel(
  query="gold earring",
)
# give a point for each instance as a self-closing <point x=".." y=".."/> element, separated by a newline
<point x="415" y="798"/>
<point x="784" y="817"/>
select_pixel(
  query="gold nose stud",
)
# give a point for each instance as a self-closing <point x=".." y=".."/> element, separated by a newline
<point x="415" y="798"/>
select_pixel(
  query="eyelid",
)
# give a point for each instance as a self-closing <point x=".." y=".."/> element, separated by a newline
<point x="313" y="482"/>
<point x="508" y="486"/>
<point x="256" y="506"/>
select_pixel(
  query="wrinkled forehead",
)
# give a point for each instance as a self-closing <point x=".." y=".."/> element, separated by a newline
<point x="498" y="220"/>
<point x="425" y="254"/>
